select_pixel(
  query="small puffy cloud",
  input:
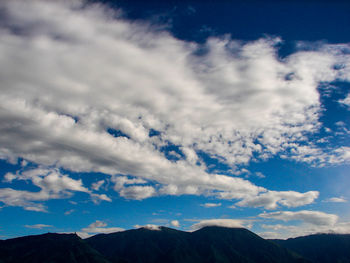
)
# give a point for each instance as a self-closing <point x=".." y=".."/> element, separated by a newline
<point x="336" y="200"/>
<point x="121" y="181"/>
<point x="340" y="155"/>
<point x="68" y="212"/>
<point x="137" y="192"/>
<point x="175" y="223"/>
<point x="208" y="205"/>
<point x="97" y="185"/>
<point x="97" y="198"/>
<point x="260" y="175"/>
<point x="311" y="217"/>
<point x="9" y="177"/>
<point x="232" y="223"/>
<point x="345" y="101"/>
<point x="38" y="226"/>
<point x="100" y="227"/>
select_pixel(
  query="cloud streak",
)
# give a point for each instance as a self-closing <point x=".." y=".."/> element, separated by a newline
<point x="231" y="223"/>
<point x="38" y="226"/>
<point x="209" y="205"/>
<point x="312" y="217"/>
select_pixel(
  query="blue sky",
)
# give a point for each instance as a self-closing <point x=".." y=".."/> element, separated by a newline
<point x="116" y="115"/>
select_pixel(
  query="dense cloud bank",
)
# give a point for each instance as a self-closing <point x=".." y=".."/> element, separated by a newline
<point x="75" y="77"/>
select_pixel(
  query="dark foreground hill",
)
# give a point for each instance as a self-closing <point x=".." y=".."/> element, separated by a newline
<point x="209" y="244"/>
<point x="320" y="248"/>
<point x="48" y="248"/>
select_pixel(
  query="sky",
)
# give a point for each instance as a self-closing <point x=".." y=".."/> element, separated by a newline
<point x="120" y="114"/>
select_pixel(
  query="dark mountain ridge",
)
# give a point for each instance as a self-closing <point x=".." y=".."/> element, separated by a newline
<point x="320" y="248"/>
<point x="207" y="245"/>
<point x="51" y="247"/>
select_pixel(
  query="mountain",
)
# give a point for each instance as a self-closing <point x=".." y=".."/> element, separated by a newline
<point x="209" y="244"/>
<point x="218" y="244"/>
<point x="320" y="248"/>
<point x="48" y="248"/>
<point x="145" y="245"/>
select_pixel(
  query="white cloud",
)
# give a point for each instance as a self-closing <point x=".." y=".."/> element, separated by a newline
<point x="232" y="223"/>
<point x="269" y="235"/>
<point x="98" y="227"/>
<point x="52" y="184"/>
<point x="208" y="205"/>
<point x="346" y="100"/>
<point x="137" y="192"/>
<point x="336" y="200"/>
<point x="234" y="102"/>
<point x="97" y="198"/>
<point x="260" y="175"/>
<point x="271" y="199"/>
<point x="300" y="223"/>
<point x="340" y="155"/>
<point x="122" y="181"/>
<point x="175" y="223"/>
<point x="38" y="226"/>
<point x="278" y="227"/>
<point x="68" y="212"/>
<point x="289" y="231"/>
<point x="312" y="217"/>
<point x="97" y="185"/>
<point x="11" y="197"/>
<point x="149" y="227"/>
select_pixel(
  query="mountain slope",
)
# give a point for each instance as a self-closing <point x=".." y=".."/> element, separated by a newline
<point x="209" y="244"/>
<point x="145" y="245"/>
<point x="320" y="248"/>
<point x="218" y="244"/>
<point x="48" y="248"/>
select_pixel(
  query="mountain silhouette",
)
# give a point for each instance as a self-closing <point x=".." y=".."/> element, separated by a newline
<point x="320" y="248"/>
<point x="166" y="245"/>
<point x="48" y="248"/>
<point x="209" y="244"/>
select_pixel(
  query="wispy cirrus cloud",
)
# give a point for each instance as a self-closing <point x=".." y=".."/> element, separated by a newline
<point x="336" y="200"/>
<point x="208" y="205"/>
<point x="38" y="226"/>
<point x="312" y="217"/>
